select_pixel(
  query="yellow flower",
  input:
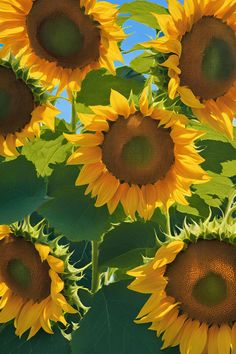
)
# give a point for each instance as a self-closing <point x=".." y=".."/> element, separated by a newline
<point x="23" y="108"/>
<point x="61" y="40"/>
<point x="33" y="281"/>
<point x="193" y="289"/>
<point x="142" y="157"/>
<point x="199" y="38"/>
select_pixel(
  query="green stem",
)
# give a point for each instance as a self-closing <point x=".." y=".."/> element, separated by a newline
<point x="95" y="272"/>
<point x="230" y="208"/>
<point x="73" y="116"/>
<point x="229" y="213"/>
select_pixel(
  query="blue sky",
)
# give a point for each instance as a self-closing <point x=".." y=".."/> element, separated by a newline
<point x="137" y="32"/>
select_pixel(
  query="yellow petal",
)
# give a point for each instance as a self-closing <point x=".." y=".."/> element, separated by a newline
<point x="85" y="139"/>
<point x="56" y="264"/>
<point x="5" y="297"/>
<point x="107" y="190"/>
<point x="167" y="253"/>
<point x="3" y="289"/>
<point x="166" y="24"/>
<point x="89" y="173"/>
<point x="114" y="201"/>
<point x="9" y="146"/>
<point x="46" y="114"/>
<point x="144" y="104"/>
<point x="60" y="299"/>
<point x="98" y="124"/>
<point x="165" y="45"/>
<point x="173" y="63"/>
<point x="212" y="340"/>
<point x="57" y="284"/>
<point x="85" y="155"/>
<point x="177" y="13"/>
<point x="34" y="329"/>
<point x="233" y="338"/>
<point x="172" y="331"/>
<point x="164" y="308"/>
<point x="119" y="103"/>
<point x="198" y="340"/>
<point x="27" y="317"/>
<point x="162" y="325"/>
<point x="130" y="201"/>
<point x="185" y="136"/>
<point x="86" y="119"/>
<point x="45" y="320"/>
<point x="43" y="250"/>
<point x="151" y="304"/>
<point x="189" y="328"/>
<point x="188" y="98"/>
<point x="191" y="171"/>
<point x="224" y="339"/>
<point x="11" y="309"/>
<point x="4" y="231"/>
<point x="153" y="282"/>
<point x="105" y="112"/>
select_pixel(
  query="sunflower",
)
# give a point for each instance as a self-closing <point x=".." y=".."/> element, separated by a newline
<point x="142" y="157"/>
<point x="192" y="282"/>
<point x="23" y="108"/>
<point x="200" y="44"/>
<point x="37" y="284"/>
<point x="61" y="40"/>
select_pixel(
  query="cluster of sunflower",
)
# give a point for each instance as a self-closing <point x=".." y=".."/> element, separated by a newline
<point x="139" y="154"/>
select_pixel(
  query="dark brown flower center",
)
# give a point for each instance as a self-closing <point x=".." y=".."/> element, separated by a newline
<point x="136" y="150"/>
<point x="16" y="102"/>
<point x="22" y="270"/>
<point x="60" y="32"/>
<point x="203" y="279"/>
<point x="208" y="59"/>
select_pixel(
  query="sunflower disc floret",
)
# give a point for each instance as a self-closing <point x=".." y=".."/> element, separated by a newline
<point x="192" y="282"/>
<point x="143" y="157"/>
<point x="37" y="282"/>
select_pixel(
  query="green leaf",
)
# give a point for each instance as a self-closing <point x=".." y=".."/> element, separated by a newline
<point x="142" y="63"/>
<point x="44" y="153"/>
<point x="206" y="196"/>
<point x="134" y="48"/>
<point x="215" y="191"/>
<point x="109" y="328"/>
<point x="124" y="245"/>
<point x="217" y="153"/>
<point x="160" y="219"/>
<point x="92" y="94"/>
<point x="197" y="207"/>
<point x="121" y="19"/>
<point x="141" y="11"/>
<point x="20" y="189"/>
<point x="40" y="343"/>
<point x="71" y="212"/>
<point x="229" y="168"/>
<point x="220" y="163"/>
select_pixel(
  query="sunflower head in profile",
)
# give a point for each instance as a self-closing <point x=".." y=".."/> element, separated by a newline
<point x="61" y="40"/>
<point x="200" y="44"/>
<point x="141" y="156"/>
<point x="192" y="282"/>
<point x="37" y="282"/>
<point x="23" y="107"/>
